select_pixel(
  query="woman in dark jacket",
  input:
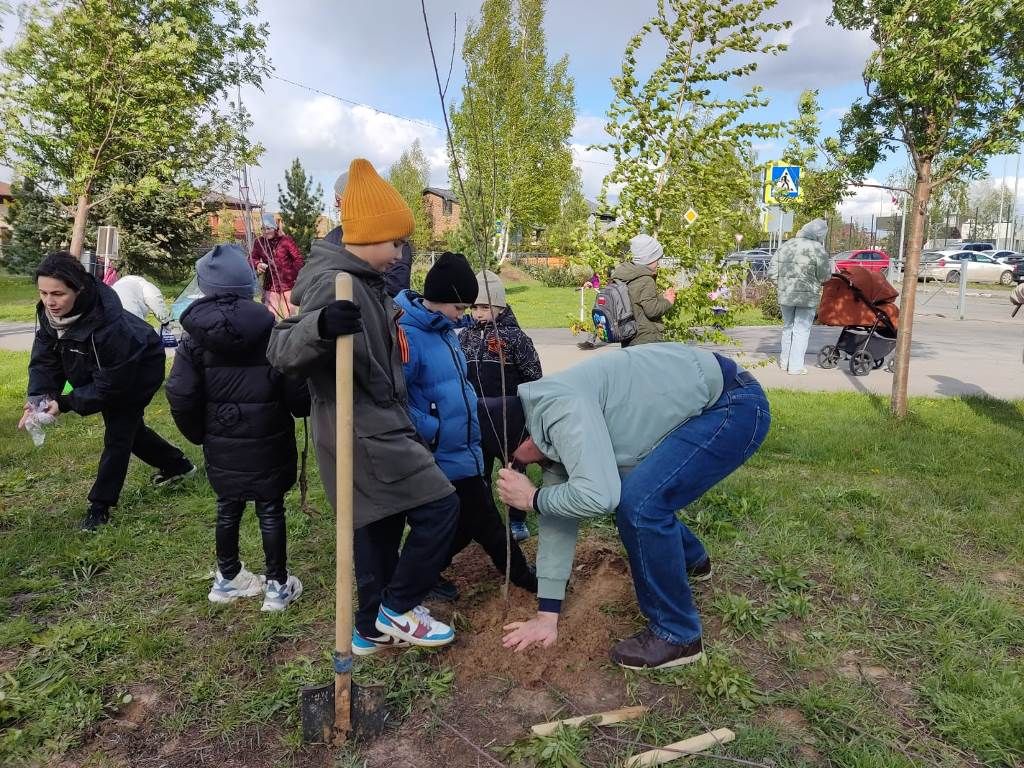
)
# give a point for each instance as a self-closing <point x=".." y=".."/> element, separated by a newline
<point x="225" y="396"/>
<point x="115" y="364"/>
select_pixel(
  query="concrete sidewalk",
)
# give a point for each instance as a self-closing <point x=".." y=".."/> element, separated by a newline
<point x="978" y="356"/>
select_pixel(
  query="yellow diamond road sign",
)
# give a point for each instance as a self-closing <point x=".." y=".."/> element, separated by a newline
<point x="690" y="216"/>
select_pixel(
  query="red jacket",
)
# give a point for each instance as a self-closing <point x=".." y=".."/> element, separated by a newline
<point x="283" y="259"/>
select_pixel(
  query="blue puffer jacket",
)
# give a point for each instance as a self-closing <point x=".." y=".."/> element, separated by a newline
<point x="442" y="402"/>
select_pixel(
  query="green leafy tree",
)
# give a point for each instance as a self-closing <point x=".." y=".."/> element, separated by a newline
<point x="512" y="130"/>
<point x="410" y="175"/>
<point x="128" y="94"/>
<point x="39" y="226"/>
<point x="679" y="141"/>
<point x="823" y="180"/>
<point x="160" y="235"/>
<point x="300" y="205"/>
<point x="945" y="84"/>
<point x="560" y="238"/>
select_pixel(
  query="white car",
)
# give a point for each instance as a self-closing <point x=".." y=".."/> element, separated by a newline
<point x="948" y="266"/>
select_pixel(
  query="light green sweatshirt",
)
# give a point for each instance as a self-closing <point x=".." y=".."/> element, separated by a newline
<point x="598" y="420"/>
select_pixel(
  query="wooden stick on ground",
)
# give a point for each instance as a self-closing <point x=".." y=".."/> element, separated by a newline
<point x="681" y="749"/>
<point x="600" y="718"/>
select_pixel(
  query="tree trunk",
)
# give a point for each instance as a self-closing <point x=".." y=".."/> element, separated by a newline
<point x="918" y="212"/>
<point x="81" y="218"/>
<point x="506" y="233"/>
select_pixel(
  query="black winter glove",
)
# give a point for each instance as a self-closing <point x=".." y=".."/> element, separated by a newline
<point x="339" y="318"/>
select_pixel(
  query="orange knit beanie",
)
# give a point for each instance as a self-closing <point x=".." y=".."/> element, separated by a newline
<point x="372" y="211"/>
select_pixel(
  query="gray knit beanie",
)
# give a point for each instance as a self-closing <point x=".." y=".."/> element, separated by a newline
<point x="645" y="250"/>
<point x="488" y="281"/>
<point x="225" y="270"/>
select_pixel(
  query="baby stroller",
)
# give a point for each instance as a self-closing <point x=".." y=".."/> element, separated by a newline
<point x="863" y="303"/>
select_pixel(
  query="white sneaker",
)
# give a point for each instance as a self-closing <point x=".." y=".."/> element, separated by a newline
<point x="280" y="596"/>
<point x="416" y="627"/>
<point x="245" y="584"/>
<point x="801" y="372"/>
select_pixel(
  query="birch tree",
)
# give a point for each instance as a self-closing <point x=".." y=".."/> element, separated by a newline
<point x="512" y="128"/>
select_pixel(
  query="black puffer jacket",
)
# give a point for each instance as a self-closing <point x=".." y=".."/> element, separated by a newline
<point x="481" y="344"/>
<point x="111" y="358"/>
<point x="225" y="395"/>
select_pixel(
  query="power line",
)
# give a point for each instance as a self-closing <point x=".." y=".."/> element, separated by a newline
<point x="342" y="99"/>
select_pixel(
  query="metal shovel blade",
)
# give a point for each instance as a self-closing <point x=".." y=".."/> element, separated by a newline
<point x="370" y="714"/>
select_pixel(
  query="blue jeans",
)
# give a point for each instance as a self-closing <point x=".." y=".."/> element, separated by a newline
<point x="693" y="458"/>
<point x="796" y="332"/>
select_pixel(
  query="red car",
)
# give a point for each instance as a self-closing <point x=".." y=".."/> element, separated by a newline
<point x="872" y="259"/>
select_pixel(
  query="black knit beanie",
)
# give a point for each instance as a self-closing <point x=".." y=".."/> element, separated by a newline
<point x="501" y="419"/>
<point x="451" y="280"/>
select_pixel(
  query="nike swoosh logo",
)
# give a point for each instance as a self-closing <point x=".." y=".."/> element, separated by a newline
<point x="400" y="627"/>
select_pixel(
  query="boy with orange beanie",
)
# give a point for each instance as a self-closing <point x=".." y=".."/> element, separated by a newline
<point x="396" y="479"/>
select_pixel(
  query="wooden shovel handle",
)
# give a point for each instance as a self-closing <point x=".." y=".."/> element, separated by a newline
<point x="343" y="534"/>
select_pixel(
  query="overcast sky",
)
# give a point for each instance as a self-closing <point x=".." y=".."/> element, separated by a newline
<point x="375" y="53"/>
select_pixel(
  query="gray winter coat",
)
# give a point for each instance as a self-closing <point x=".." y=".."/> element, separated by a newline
<point x="393" y="470"/>
<point x="801" y="265"/>
<point x="649" y="305"/>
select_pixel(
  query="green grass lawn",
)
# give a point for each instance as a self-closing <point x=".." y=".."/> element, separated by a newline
<point x="17" y="299"/>
<point x="867" y="608"/>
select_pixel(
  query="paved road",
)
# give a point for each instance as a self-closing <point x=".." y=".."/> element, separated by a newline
<point x="981" y="355"/>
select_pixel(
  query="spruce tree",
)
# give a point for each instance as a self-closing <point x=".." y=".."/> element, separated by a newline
<point x="300" y="205"/>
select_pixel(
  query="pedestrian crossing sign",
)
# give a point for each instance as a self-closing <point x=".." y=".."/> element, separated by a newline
<point x="782" y="182"/>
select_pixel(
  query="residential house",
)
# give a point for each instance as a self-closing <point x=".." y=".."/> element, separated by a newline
<point x="227" y="215"/>
<point x="443" y="211"/>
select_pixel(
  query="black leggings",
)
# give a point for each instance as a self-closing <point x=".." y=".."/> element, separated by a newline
<point x="272" y="528"/>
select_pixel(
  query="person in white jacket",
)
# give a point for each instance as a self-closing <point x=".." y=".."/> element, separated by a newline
<point x="140" y="297"/>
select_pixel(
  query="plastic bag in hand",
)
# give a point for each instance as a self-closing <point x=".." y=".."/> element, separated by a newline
<point x="167" y="337"/>
<point x="38" y="419"/>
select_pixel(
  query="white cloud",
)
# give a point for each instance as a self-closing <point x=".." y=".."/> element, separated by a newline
<point x="865" y="202"/>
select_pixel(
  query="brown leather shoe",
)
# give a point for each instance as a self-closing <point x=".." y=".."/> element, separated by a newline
<point x="645" y="650"/>
<point x="702" y="572"/>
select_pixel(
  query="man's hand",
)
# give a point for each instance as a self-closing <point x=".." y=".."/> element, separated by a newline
<point x="339" y="318"/>
<point x="515" y="489"/>
<point x="670" y="295"/>
<point x="542" y="630"/>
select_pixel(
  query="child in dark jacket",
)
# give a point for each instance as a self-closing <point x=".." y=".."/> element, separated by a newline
<point x="496" y="335"/>
<point x="443" y="406"/>
<point x="225" y="396"/>
<point x="396" y="480"/>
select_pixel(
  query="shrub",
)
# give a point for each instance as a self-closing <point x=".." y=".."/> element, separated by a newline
<point x="569" y="276"/>
<point x="769" y="303"/>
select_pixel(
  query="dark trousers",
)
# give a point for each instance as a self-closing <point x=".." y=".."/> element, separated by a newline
<point x="514" y="515"/>
<point x="480" y="521"/>
<point x="125" y="434"/>
<point x="400" y="579"/>
<point x="272" y="529"/>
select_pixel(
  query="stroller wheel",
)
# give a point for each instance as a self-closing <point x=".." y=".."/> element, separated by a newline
<point x="828" y="356"/>
<point x="861" y="364"/>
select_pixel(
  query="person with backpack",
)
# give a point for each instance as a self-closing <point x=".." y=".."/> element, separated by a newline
<point x="115" y="364"/>
<point x="648" y="305"/>
<point x="640" y="434"/>
<point x="799" y="268"/>
<point x="500" y="357"/>
<point x="225" y="397"/>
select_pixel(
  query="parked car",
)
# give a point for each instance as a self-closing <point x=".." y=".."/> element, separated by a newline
<point x="757" y="261"/>
<point x="872" y="259"/>
<point x="976" y="247"/>
<point x="1007" y="257"/>
<point x="1018" y="272"/>
<point x="946" y="265"/>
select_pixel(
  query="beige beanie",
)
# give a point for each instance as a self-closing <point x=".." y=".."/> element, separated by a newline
<point x="488" y="281"/>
